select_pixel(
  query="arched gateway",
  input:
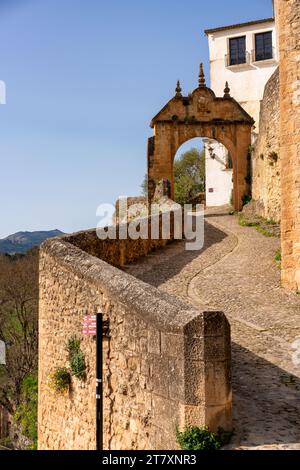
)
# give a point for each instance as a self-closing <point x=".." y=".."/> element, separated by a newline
<point x="201" y="114"/>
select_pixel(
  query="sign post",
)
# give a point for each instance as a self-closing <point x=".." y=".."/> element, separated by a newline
<point x="99" y="382"/>
<point x="93" y="326"/>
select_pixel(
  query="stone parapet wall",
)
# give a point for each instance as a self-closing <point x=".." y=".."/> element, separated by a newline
<point x="119" y="252"/>
<point x="166" y="365"/>
<point x="266" y="187"/>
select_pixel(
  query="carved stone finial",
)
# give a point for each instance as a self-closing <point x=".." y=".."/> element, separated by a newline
<point x="178" y="90"/>
<point x="201" y="77"/>
<point x="227" y="91"/>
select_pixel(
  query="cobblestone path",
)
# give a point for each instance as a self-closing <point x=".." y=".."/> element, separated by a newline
<point x="235" y="272"/>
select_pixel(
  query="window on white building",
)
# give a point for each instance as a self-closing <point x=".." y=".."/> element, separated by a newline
<point x="237" y="50"/>
<point x="263" y="46"/>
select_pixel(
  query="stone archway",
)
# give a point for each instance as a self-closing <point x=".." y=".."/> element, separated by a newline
<point x="201" y="114"/>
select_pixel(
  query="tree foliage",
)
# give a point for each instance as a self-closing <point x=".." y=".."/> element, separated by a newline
<point x="189" y="176"/>
<point x="26" y="413"/>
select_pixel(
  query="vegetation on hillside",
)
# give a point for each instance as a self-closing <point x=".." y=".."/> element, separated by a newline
<point x="19" y="332"/>
<point x="22" y="242"/>
<point x="26" y="412"/>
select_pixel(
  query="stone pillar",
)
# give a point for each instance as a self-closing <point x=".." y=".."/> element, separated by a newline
<point x="207" y="372"/>
<point x="288" y="20"/>
<point x="160" y="158"/>
<point x="241" y="166"/>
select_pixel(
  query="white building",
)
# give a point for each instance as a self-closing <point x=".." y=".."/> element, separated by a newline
<point x="245" y="56"/>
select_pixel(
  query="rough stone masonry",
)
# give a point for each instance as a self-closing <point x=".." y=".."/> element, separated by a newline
<point x="266" y="187"/>
<point x="288" y="19"/>
<point x="166" y="364"/>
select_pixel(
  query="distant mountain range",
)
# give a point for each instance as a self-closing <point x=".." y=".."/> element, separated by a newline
<point x="23" y="241"/>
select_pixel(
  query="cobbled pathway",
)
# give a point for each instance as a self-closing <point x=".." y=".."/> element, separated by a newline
<point x="236" y="272"/>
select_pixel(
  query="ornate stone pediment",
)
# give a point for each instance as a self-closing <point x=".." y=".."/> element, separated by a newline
<point x="202" y="106"/>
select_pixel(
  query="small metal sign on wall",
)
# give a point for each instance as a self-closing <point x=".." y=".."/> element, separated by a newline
<point x="89" y="326"/>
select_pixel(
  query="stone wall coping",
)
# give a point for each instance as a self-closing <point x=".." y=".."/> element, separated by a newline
<point x="163" y="211"/>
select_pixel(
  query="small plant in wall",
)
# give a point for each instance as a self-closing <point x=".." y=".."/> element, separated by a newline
<point x="194" y="438"/>
<point x="277" y="257"/>
<point x="60" y="380"/>
<point x="76" y="358"/>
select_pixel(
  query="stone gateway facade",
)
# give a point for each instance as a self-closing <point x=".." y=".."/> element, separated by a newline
<point x="166" y="365"/>
<point x="201" y="114"/>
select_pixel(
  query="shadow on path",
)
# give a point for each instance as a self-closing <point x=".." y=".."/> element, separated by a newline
<point x="266" y="400"/>
<point x="168" y="261"/>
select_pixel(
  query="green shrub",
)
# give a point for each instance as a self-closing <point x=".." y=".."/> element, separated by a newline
<point x="194" y="438"/>
<point x="76" y="358"/>
<point x="26" y="412"/>
<point x="60" y="380"/>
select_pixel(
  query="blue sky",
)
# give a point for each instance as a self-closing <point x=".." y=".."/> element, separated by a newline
<point x="84" y="78"/>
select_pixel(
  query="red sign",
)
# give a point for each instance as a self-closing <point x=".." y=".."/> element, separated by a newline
<point x="89" y="325"/>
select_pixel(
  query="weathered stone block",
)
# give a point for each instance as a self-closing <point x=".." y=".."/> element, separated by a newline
<point x="154" y="342"/>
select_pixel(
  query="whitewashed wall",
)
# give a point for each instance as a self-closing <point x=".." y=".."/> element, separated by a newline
<point x="247" y="83"/>
<point x="219" y="183"/>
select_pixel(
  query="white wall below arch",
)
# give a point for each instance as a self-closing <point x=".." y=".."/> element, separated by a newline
<point x="219" y="184"/>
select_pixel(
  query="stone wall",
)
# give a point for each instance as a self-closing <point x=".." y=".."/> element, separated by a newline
<point x="166" y="364"/>
<point x="288" y="20"/>
<point x="136" y="207"/>
<point x="266" y="187"/>
<point x="119" y="252"/>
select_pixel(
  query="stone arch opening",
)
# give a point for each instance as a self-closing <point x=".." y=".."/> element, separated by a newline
<point x="213" y="185"/>
<point x="201" y="114"/>
<point x="189" y="172"/>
